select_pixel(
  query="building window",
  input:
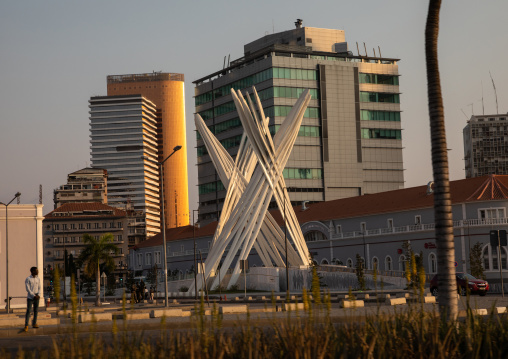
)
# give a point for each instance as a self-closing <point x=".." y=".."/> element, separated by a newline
<point x="96" y="225"/>
<point x="104" y="225"/>
<point x="81" y="226"/>
<point x="339" y="229"/>
<point x="363" y="227"/>
<point x="148" y="258"/>
<point x="56" y="227"/>
<point x="182" y="248"/>
<point x="375" y="264"/>
<point x="73" y="226"/>
<point x="140" y="259"/>
<point x="120" y="237"/>
<point x="349" y="263"/>
<point x="64" y="226"/>
<point x="432" y="263"/>
<point x="157" y="257"/>
<point x="88" y="226"/>
<point x="491" y="260"/>
<point x="314" y="236"/>
<point x="324" y="261"/>
<point x="111" y="224"/>
<point x="388" y="263"/>
<point x="418" y="220"/>
<point x="402" y="263"/>
<point x="381" y="133"/>
<point x="390" y="223"/>
<point x="119" y="224"/>
<point x="491" y="213"/>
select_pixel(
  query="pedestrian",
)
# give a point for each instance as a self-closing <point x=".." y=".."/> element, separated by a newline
<point x="141" y="290"/>
<point x="151" y="292"/>
<point x="134" y="298"/>
<point x="33" y="288"/>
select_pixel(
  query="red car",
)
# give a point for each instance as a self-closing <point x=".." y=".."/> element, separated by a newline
<point x="464" y="281"/>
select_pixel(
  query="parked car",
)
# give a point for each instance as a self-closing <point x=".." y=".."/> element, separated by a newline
<point x="464" y="281"/>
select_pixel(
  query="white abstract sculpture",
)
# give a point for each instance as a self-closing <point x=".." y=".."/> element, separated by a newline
<point x="251" y="181"/>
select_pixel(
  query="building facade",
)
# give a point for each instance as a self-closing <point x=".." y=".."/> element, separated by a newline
<point x="375" y="226"/>
<point x="486" y="145"/>
<point x="85" y="185"/>
<point x="350" y="139"/>
<point x="124" y="142"/>
<point x="65" y="226"/>
<point x="167" y="92"/>
<point x="25" y="246"/>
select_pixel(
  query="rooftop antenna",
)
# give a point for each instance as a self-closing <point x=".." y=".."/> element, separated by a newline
<point x="495" y="92"/>
<point x="229" y="56"/>
<point x="224" y="66"/>
<point x="298" y="23"/>
<point x="40" y="194"/>
<point x="365" y="47"/>
<point x="374" y="50"/>
<point x="467" y="118"/>
<point x="483" y="105"/>
<point x="357" y="49"/>
<point x="379" y="51"/>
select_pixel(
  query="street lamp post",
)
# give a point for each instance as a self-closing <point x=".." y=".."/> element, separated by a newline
<point x="195" y="262"/>
<point x="164" y="223"/>
<point x="7" y="250"/>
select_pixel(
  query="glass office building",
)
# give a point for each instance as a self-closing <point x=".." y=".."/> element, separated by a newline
<point x="350" y="141"/>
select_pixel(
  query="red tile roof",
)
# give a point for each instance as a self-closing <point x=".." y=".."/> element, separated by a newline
<point x="174" y="234"/>
<point x="494" y="187"/>
<point x="79" y="210"/>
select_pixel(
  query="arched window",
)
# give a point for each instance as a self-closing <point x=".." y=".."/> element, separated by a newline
<point x="349" y="263"/>
<point x="313" y="236"/>
<point x="432" y="263"/>
<point x="337" y="262"/>
<point x="388" y="263"/>
<point x="375" y="263"/>
<point x="490" y="258"/>
<point x="314" y="261"/>
<point x="402" y="263"/>
<point x="324" y="261"/>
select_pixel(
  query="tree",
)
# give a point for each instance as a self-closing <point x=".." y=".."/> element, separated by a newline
<point x="475" y="261"/>
<point x="95" y="252"/>
<point x="447" y="286"/>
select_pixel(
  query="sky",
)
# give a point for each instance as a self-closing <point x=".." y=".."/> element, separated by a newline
<point x="55" y="55"/>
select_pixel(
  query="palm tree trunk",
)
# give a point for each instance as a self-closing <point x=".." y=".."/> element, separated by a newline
<point x="447" y="286"/>
<point x="98" y="286"/>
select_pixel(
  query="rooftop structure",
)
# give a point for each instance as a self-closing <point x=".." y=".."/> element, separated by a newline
<point x="486" y="145"/>
<point x="86" y="185"/>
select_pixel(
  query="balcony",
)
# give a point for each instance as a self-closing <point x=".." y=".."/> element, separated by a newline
<point x="87" y="230"/>
<point x="420" y="228"/>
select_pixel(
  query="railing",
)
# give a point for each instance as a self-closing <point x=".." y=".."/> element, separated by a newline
<point x="419" y="227"/>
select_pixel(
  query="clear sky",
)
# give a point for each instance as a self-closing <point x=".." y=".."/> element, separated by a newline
<point x="55" y="55"/>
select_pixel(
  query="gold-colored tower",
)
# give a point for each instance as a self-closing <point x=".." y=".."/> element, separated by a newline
<point x="166" y="90"/>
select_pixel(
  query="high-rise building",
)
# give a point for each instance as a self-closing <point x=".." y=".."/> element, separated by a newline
<point x="350" y="139"/>
<point x="486" y="145"/>
<point x="85" y="185"/>
<point x="124" y="142"/>
<point x="166" y="91"/>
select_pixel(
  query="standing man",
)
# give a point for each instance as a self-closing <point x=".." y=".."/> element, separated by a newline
<point x="33" y="287"/>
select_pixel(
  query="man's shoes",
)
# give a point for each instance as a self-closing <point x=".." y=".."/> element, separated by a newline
<point x="35" y="326"/>
<point x="26" y="329"/>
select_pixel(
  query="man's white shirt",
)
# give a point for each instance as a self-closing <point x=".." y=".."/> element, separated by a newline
<point x="33" y="286"/>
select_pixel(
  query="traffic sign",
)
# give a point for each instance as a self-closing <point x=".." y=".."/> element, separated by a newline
<point x="498" y="238"/>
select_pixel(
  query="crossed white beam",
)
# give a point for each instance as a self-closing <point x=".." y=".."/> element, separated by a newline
<point x="251" y="181"/>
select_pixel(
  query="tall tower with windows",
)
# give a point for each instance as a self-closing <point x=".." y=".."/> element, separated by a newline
<point x="350" y="139"/>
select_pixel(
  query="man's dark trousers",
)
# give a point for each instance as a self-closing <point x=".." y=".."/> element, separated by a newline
<point x="29" y="303"/>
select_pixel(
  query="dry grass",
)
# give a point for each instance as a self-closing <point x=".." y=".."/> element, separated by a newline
<point x="411" y="334"/>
